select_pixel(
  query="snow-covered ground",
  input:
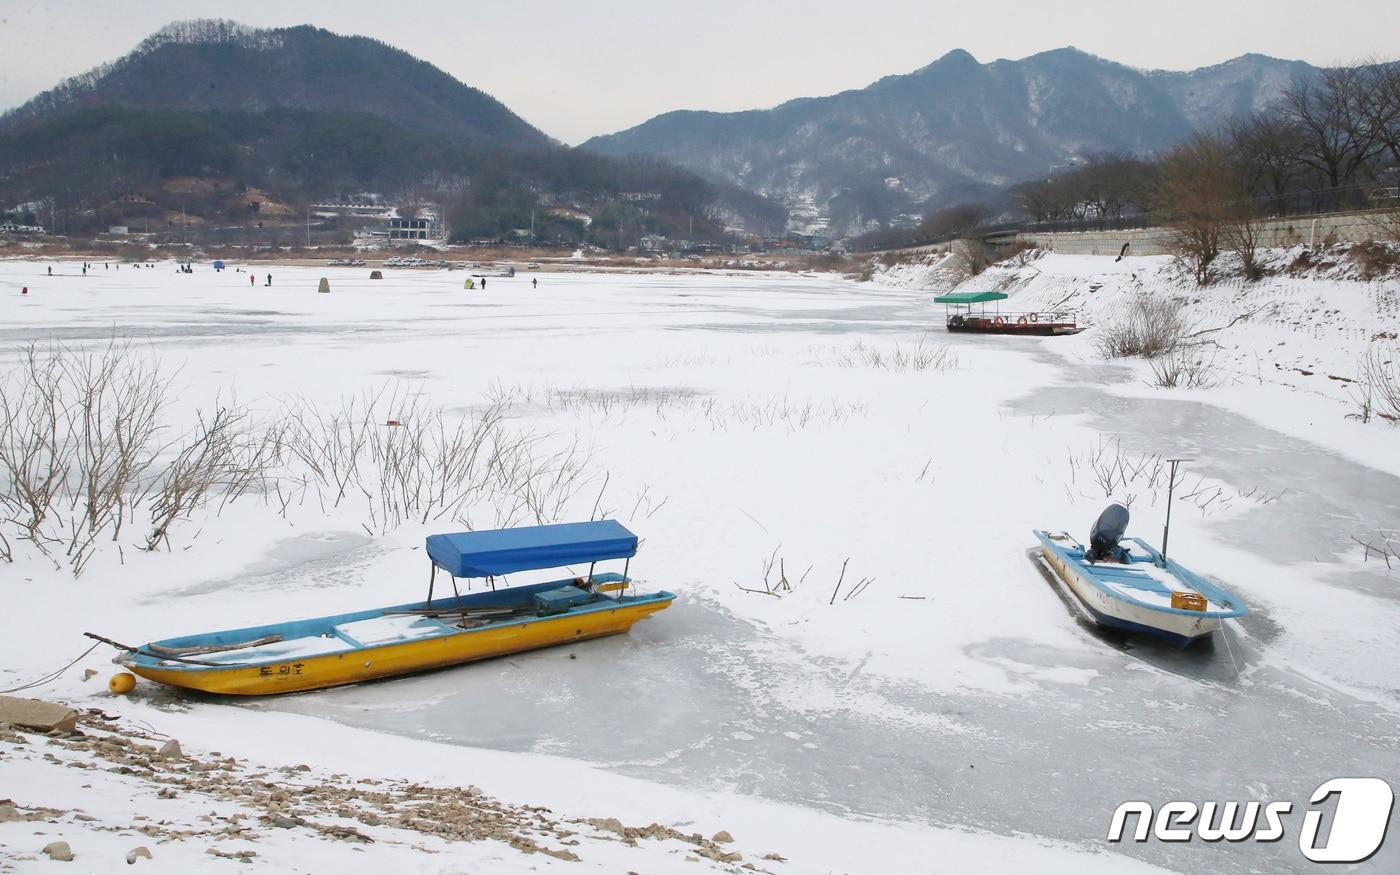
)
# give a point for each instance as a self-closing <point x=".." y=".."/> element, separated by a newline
<point x="942" y="709"/>
<point x="1286" y="348"/>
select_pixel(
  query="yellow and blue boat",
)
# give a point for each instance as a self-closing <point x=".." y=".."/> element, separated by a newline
<point x="420" y="636"/>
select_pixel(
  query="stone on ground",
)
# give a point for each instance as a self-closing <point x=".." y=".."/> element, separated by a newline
<point x="59" y="851"/>
<point x="37" y="715"/>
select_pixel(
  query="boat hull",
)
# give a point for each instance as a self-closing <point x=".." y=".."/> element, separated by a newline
<point x="1176" y="628"/>
<point x="1042" y="329"/>
<point x="315" y="672"/>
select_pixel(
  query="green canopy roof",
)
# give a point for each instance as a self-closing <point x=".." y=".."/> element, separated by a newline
<point x="969" y="298"/>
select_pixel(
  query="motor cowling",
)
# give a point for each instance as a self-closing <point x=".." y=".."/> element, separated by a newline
<point x="1108" y="530"/>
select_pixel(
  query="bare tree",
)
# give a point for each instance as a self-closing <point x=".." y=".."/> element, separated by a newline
<point x="958" y="220"/>
<point x="1270" y="146"/>
<point x="1106" y="185"/>
<point x="1330" y="112"/>
<point x="1109" y="182"/>
<point x="1380" y="103"/>
<point x="1196" y="181"/>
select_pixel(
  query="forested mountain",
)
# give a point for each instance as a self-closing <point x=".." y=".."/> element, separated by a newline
<point x="222" y="66"/>
<point x="955" y="129"/>
<point x="204" y="113"/>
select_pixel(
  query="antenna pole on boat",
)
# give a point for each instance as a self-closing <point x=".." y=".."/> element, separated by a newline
<point x="1171" y="485"/>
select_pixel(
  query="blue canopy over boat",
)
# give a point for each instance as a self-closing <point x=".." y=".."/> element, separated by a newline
<point x="503" y="551"/>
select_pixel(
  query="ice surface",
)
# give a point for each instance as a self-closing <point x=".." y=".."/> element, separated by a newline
<point x="957" y="689"/>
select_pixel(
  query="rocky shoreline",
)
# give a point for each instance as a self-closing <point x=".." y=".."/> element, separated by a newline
<point x="232" y="804"/>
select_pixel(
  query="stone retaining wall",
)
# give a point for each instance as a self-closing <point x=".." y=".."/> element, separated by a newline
<point x="1321" y="229"/>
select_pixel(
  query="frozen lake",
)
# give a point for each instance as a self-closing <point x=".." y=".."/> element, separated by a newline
<point x="960" y="691"/>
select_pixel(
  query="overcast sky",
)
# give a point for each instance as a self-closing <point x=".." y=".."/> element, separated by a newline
<point x="575" y="69"/>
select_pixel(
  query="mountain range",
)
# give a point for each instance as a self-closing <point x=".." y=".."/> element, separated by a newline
<point x="955" y="129"/>
<point x="301" y="113"/>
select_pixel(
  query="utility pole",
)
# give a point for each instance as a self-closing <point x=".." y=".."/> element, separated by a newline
<point x="1171" y="486"/>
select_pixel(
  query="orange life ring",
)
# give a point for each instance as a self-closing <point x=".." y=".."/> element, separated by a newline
<point x="1035" y="317"/>
<point x="999" y="321"/>
<point x="1022" y="320"/>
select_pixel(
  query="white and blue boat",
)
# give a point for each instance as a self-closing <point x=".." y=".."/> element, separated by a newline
<point x="1126" y="584"/>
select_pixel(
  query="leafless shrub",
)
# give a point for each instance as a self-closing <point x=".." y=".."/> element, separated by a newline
<point x="971" y="256"/>
<point x="82" y="453"/>
<point x="780" y="586"/>
<point x="1384" y="546"/>
<point x="922" y="356"/>
<point x="120" y="398"/>
<point x="1240" y="234"/>
<point x="1376" y="391"/>
<point x="1185" y="367"/>
<point x="749" y="413"/>
<point x="35" y="442"/>
<point x="405" y="461"/>
<point x="1151" y="327"/>
<point x="78" y="434"/>
<point x="1387" y="219"/>
<point x="1374" y="260"/>
<point x="224" y="455"/>
<point x="1020" y="253"/>
<point x="1104" y="470"/>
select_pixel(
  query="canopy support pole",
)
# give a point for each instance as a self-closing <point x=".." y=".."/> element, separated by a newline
<point x="432" y="579"/>
<point x="592" y="587"/>
<point x="625" y="565"/>
<point x="455" y="591"/>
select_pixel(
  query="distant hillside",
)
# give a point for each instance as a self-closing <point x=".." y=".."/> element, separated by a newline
<point x="204" y="112"/>
<point x="223" y="66"/>
<point x="951" y="130"/>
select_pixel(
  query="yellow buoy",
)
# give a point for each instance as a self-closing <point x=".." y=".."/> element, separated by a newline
<point x="122" y="683"/>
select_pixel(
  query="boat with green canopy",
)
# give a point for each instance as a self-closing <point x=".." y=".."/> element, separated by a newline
<point x="962" y="318"/>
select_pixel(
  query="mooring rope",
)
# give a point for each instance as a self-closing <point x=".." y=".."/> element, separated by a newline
<point x="1224" y="628"/>
<point x="52" y="676"/>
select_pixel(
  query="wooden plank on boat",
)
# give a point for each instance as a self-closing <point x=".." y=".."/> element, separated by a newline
<point x="211" y="648"/>
<point x="140" y="650"/>
<point x="460" y="612"/>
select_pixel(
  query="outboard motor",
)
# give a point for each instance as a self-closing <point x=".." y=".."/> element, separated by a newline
<point x="1108" y="530"/>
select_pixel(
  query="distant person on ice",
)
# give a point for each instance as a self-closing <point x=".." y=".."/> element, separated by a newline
<point x="269" y="279"/>
<point x="252" y="279"/>
<point x="534" y="282"/>
<point x="483" y="282"/>
<point x="50" y="270"/>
